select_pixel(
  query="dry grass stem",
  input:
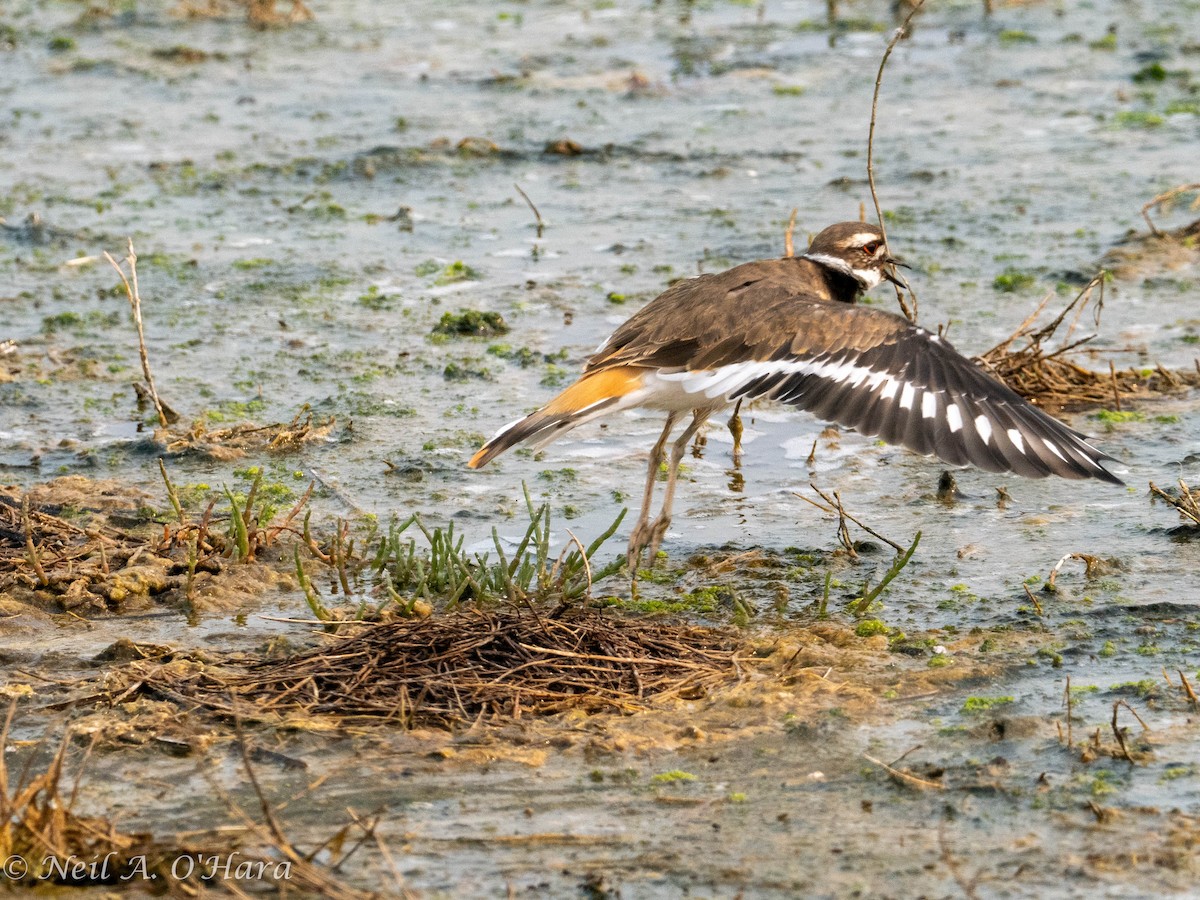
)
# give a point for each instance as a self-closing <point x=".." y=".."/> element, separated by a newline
<point x="1187" y="688"/>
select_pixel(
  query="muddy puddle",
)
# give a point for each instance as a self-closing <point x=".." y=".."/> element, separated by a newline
<point x="315" y="205"/>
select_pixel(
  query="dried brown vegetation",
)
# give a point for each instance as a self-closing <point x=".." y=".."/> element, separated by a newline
<point x="258" y="13"/>
<point x="457" y="668"/>
<point x="78" y="545"/>
<point x="235" y="442"/>
<point x="45" y="841"/>
<point x="1186" y="503"/>
<point x="1048" y="375"/>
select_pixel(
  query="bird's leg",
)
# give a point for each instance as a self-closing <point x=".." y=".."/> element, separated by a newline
<point x="640" y="535"/>
<point x="736" y="429"/>
<point x="659" y="527"/>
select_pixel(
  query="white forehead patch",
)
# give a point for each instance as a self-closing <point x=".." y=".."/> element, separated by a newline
<point x="863" y="238"/>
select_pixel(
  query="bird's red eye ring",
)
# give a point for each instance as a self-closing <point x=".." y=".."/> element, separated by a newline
<point x="872" y="247"/>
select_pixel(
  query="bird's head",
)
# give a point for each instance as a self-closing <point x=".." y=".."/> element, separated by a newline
<point x="855" y="250"/>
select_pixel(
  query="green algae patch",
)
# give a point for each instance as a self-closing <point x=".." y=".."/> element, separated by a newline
<point x="471" y="323"/>
<point x="452" y="274"/>
<point x="984" y="704"/>
<point x="675" y="776"/>
<point x="1012" y="281"/>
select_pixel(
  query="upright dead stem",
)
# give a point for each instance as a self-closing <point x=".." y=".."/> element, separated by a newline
<point x="1120" y="735"/>
<point x="789" y="247"/>
<point x="135" y="303"/>
<point x="541" y="223"/>
<point x="910" y="314"/>
<point x="1187" y="688"/>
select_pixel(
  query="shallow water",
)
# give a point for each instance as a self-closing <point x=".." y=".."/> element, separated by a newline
<point x="259" y="181"/>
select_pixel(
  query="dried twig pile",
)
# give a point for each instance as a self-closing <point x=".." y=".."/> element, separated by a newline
<point x="1186" y="503"/>
<point x="43" y="840"/>
<point x="39" y="549"/>
<point x="1046" y="376"/>
<point x="457" y="668"/>
<point x="235" y="442"/>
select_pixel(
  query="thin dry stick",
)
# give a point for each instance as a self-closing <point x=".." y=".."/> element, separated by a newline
<point x="789" y="249"/>
<point x="1163" y="198"/>
<point x="837" y="507"/>
<point x="1032" y="599"/>
<point x="135" y="303"/>
<point x="906" y="777"/>
<point x="910" y="314"/>
<point x="541" y="224"/>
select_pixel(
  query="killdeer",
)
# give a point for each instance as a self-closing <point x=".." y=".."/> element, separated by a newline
<point x="790" y="330"/>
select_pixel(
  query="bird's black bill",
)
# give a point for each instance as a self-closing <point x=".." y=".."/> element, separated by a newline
<point x="889" y="272"/>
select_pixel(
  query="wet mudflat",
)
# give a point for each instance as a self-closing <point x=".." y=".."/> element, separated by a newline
<point x="329" y="239"/>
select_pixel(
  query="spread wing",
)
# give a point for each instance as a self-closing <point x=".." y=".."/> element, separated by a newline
<point x="860" y="367"/>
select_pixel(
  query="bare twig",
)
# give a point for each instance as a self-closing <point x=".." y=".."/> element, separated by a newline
<point x="910" y="314"/>
<point x="1032" y="599"/>
<point x="135" y="303"/>
<point x="1120" y="735"/>
<point x="836" y="505"/>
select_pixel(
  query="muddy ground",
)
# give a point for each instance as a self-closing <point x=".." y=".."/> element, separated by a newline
<point x="341" y="288"/>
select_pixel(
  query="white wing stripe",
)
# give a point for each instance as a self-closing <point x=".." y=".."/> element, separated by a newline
<point x="724" y="380"/>
<point x="984" y="427"/>
<point x="953" y="417"/>
<point x="928" y="405"/>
